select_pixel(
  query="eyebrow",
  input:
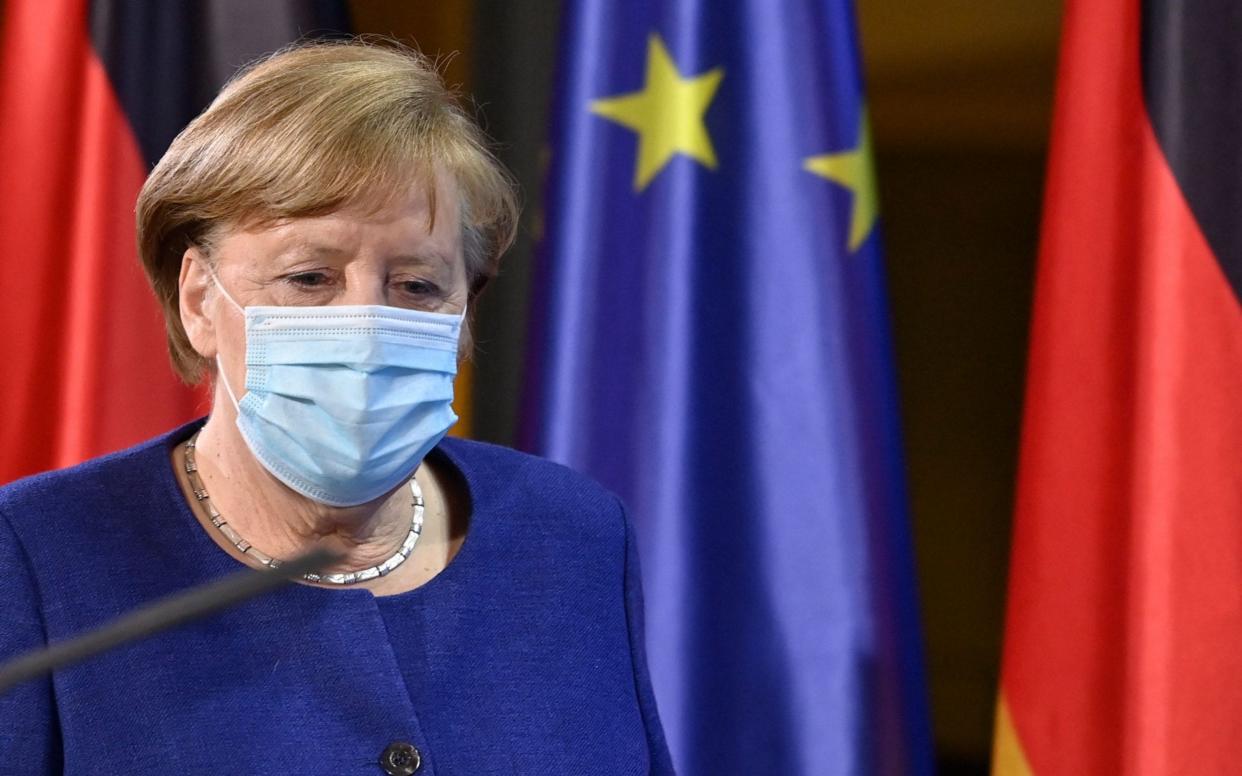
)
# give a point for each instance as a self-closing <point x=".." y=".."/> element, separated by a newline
<point x="430" y="255"/>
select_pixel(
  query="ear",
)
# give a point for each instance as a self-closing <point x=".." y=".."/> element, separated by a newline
<point x="193" y="285"/>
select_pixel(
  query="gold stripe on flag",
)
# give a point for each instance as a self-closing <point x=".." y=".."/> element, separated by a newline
<point x="1007" y="756"/>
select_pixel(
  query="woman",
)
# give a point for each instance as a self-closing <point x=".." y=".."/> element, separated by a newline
<point x="316" y="238"/>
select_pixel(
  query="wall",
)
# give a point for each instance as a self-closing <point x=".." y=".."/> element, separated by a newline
<point x="960" y="98"/>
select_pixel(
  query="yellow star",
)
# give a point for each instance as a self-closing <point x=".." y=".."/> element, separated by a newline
<point x="667" y="114"/>
<point x="853" y="170"/>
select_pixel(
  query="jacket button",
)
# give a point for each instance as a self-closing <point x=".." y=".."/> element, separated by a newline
<point x="400" y="759"/>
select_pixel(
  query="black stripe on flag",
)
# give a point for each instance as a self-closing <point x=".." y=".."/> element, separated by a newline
<point x="1192" y="80"/>
<point x="166" y="59"/>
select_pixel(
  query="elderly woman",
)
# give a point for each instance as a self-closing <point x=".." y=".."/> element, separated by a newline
<point x="316" y="239"/>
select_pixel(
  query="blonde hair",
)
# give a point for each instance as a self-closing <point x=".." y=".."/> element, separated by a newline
<point x="305" y="132"/>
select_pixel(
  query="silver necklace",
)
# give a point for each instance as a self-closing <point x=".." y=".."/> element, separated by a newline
<point x="246" y="548"/>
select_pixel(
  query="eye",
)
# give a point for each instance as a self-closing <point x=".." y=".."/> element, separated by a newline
<point x="309" y="279"/>
<point x="418" y="289"/>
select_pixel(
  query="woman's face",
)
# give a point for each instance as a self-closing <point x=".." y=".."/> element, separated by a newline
<point x="397" y="256"/>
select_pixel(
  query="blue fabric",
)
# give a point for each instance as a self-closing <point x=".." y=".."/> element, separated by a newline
<point x="524" y="656"/>
<point x="711" y="346"/>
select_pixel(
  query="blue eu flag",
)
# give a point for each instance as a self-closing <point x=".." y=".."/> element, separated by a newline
<point x="711" y="340"/>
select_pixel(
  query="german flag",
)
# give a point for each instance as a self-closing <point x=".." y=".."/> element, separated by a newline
<point x="1123" y="648"/>
<point x="91" y="94"/>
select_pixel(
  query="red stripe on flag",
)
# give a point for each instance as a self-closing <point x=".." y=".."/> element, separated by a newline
<point x="85" y="365"/>
<point x="1125" y="606"/>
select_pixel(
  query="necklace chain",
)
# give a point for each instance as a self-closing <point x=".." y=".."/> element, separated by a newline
<point x="246" y="548"/>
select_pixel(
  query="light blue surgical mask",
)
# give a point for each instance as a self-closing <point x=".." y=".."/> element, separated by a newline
<point x="343" y="402"/>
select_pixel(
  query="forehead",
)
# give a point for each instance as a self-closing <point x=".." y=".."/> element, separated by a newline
<point x="422" y="220"/>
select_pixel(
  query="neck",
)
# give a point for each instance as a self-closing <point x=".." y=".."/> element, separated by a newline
<point x="283" y="523"/>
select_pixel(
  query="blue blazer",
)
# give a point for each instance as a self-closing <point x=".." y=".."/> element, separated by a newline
<point x="524" y="656"/>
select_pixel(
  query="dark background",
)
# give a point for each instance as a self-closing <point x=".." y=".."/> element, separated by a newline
<point x="960" y="93"/>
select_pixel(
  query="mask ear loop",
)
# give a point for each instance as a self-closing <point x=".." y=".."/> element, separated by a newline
<point x="220" y="286"/>
<point x="219" y="366"/>
<point x="225" y="380"/>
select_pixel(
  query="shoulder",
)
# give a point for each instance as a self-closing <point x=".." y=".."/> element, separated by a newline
<point x="101" y="536"/>
<point x="546" y="493"/>
<point x="44" y="503"/>
<point x="494" y="464"/>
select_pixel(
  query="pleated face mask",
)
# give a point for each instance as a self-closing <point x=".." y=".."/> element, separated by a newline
<point x="343" y="402"/>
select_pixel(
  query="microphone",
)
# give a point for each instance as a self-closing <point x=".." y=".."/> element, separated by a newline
<point x="160" y="615"/>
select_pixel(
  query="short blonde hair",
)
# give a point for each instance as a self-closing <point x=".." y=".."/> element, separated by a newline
<point x="305" y="132"/>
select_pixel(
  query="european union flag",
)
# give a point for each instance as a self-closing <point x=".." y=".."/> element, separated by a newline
<point x="711" y="341"/>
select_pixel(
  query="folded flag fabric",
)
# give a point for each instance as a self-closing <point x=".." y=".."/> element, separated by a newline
<point x="1125" y="599"/>
<point x="710" y="338"/>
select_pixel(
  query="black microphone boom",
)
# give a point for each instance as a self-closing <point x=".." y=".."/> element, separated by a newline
<point x="161" y="615"/>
